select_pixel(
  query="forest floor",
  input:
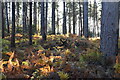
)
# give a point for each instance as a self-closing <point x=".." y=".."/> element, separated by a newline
<point x="59" y="57"/>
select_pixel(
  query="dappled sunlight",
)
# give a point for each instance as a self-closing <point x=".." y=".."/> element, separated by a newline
<point x="59" y="58"/>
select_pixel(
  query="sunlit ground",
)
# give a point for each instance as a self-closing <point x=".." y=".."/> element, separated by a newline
<point x="60" y="56"/>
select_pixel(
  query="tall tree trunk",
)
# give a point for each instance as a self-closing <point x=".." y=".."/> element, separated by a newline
<point x="46" y="17"/>
<point x="13" y="25"/>
<point x="24" y="17"/>
<point x="9" y="12"/>
<point x="91" y="16"/>
<point x="0" y="19"/>
<point x="38" y="28"/>
<point x="80" y="20"/>
<point x="17" y="14"/>
<point x="30" y="26"/>
<point x="119" y="18"/>
<point x="64" y="19"/>
<point x="90" y="11"/>
<point x="94" y="18"/>
<point x="3" y="21"/>
<point x="43" y="22"/>
<point x="35" y="16"/>
<point x="85" y="18"/>
<point x="8" y="29"/>
<point x="57" y="22"/>
<point x="109" y="31"/>
<point x="53" y="17"/>
<point x="42" y="17"/>
<point x="74" y="17"/>
<point x="69" y="20"/>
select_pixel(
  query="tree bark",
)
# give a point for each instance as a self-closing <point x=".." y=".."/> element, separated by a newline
<point x="38" y="22"/>
<point x="9" y="10"/>
<point x="69" y="20"/>
<point x="0" y="19"/>
<point x="57" y="22"/>
<point x="3" y="21"/>
<point x="46" y="17"/>
<point x="17" y="14"/>
<point x="64" y="19"/>
<point x="30" y="26"/>
<point x="94" y="19"/>
<point x="13" y="25"/>
<point x="43" y="22"/>
<point x="80" y="20"/>
<point x="8" y="29"/>
<point x="24" y="17"/>
<point x="53" y="17"/>
<point x="109" y="31"/>
<point x="35" y="16"/>
<point x="74" y="17"/>
<point x="119" y="18"/>
<point x="85" y="19"/>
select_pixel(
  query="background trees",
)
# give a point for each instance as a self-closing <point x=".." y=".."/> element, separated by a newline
<point x="73" y="17"/>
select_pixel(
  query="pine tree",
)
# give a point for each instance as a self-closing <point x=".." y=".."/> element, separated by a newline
<point x="30" y="26"/>
<point x="43" y="22"/>
<point x="13" y="25"/>
<point x="53" y="17"/>
<point x="85" y="18"/>
<point x="64" y="19"/>
<point x="109" y="31"/>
